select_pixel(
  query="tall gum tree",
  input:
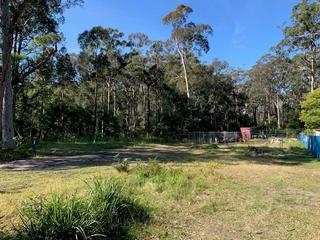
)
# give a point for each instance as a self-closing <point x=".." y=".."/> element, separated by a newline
<point x="30" y="38"/>
<point x="188" y="37"/>
<point x="304" y="36"/>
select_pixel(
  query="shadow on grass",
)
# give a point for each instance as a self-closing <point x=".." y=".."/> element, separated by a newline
<point x="79" y="155"/>
<point x="59" y="149"/>
<point x="274" y="155"/>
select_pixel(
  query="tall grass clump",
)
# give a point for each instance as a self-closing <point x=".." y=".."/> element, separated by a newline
<point x="115" y="209"/>
<point x="107" y="211"/>
<point x="59" y="217"/>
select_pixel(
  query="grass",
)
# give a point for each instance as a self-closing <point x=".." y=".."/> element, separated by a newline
<point x="205" y="193"/>
<point x="105" y="211"/>
<point x="76" y="147"/>
<point x="65" y="148"/>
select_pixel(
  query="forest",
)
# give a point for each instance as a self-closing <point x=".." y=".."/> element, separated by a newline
<point x="127" y="85"/>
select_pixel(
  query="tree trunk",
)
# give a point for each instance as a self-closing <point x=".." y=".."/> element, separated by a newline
<point x="6" y="91"/>
<point x="95" y="121"/>
<point x="108" y="97"/>
<point x="255" y="116"/>
<point x="7" y="118"/>
<point x="184" y="67"/>
<point x="278" y="106"/>
<point x="148" y="110"/>
<point x="114" y="102"/>
<point x="313" y="73"/>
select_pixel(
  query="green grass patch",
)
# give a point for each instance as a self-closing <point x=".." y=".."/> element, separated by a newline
<point x="209" y="146"/>
<point x="172" y="181"/>
<point x="106" y="211"/>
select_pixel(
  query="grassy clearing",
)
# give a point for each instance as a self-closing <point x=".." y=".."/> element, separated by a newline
<point x="225" y="193"/>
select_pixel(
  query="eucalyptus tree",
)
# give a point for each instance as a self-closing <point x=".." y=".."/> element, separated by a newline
<point x="261" y="88"/>
<point x="100" y="49"/>
<point x="65" y="72"/>
<point x="280" y="64"/>
<point x="304" y="36"/>
<point x="30" y="37"/>
<point x="189" y="38"/>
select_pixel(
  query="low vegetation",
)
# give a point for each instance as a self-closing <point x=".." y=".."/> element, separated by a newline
<point x="106" y="210"/>
<point x="224" y="192"/>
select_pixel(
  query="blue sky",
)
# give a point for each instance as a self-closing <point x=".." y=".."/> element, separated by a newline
<point x="243" y="29"/>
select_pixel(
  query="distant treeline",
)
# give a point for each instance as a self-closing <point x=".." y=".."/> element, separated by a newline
<point x="131" y="86"/>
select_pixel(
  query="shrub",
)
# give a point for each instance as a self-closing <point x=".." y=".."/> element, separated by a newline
<point x="122" y="165"/>
<point x="107" y="211"/>
<point x="150" y="169"/>
<point x="310" y="113"/>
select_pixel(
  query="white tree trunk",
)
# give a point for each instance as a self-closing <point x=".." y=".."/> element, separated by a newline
<point x="184" y="67"/>
<point x="278" y="106"/>
<point x="312" y="77"/>
<point x="108" y="97"/>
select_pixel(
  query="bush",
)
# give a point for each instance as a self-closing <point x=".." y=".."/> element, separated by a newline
<point x="107" y="211"/>
<point x="122" y="165"/>
<point x="151" y="169"/>
<point x="310" y="113"/>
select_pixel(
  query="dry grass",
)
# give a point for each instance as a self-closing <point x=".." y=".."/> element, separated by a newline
<point x="228" y="193"/>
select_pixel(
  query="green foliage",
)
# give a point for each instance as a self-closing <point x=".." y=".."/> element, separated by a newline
<point x="130" y="87"/>
<point x="310" y="113"/>
<point x="107" y="211"/>
<point x="306" y="24"/>
<point x="210" y="146"/>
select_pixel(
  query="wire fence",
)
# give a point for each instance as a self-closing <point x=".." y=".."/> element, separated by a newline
<point x="213" y="137"/>
<point x="200" y="137"/>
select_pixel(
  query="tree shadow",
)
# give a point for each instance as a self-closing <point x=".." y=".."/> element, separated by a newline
<point x="177" y="153"/>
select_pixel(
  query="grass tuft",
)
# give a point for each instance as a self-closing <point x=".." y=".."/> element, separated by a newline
<point x="107" y="211"/>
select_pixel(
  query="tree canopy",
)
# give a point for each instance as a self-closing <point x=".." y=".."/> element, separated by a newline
<point x="128" y="85"/>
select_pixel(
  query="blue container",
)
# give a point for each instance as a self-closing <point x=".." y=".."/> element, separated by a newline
<point x="312" y="143"/>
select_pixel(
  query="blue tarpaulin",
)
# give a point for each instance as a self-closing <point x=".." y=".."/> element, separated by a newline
<point x="312" y="143"/>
